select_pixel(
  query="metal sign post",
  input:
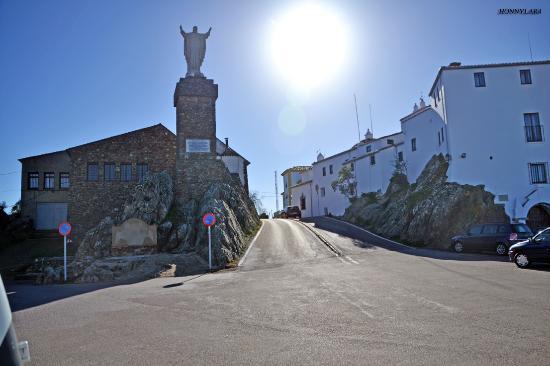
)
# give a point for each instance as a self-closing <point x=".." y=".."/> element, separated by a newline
<point x="64" y="229"/>
<point x="209" y="219"/>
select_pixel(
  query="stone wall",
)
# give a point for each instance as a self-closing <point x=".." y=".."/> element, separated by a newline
<point x="92" y="201"/>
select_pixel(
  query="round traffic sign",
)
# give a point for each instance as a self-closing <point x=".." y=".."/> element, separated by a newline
<point x="209" y="219"/>
<point x="64" y="229"/>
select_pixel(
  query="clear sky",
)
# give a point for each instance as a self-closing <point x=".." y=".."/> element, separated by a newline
<point x="77" y="71"/>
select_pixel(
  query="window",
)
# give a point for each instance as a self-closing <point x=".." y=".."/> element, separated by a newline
<point x="479" y="78"/>
<point x="330" y="169"/>
<point x="413" y="144"/>
<point x="369" y="148"/>
<point x="109" y="172"/>
<point x="322" y="191"/>
<point x="352" y="166"/>
<point x="49" y="180"/>
<point x="302" y="202"/>
<point x="474" y="230"/>
<point x="439" y="138"/>
<point x="33" y="180"/>
<point x="442" y="135"/>
<point x="389" y="141"/>
<point x="326" y="211"/>
<point x="64" y="181"/>
<point x="537" y="173"/>
<point x="142" y="170"/>
<point x="93" y="172"/>
<point x="126" y="172"/>
<point x="533" y="129"/>
<point x="525" y="76"/>
<point x="372" y="160"/>
<point x="324" y="171"/>
<point x="489" y="229"/>
<point x="400" y="156"/>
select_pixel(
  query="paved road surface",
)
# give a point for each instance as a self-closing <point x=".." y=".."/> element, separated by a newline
<point x="294" y="302"/>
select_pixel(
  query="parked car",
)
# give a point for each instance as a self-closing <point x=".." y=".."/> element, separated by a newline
<point x="279" y="214"/>
<point x="491" y="237"/>
<point x="535" y="249"/>
<point x="294" y="212"/>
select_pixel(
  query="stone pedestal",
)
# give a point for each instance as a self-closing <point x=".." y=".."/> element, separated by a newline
<point x="196" y="163"/>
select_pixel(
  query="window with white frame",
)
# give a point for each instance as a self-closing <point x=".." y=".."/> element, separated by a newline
<point x="92" y="172"/>
<point x="330" y="169"/>
<point x="324" y="171"/>
<point x="322" y="191"/>
<point x="33" y="180"/>
<point x="538" y="173"/>
<point x="64" y="180"/>
<point x="413" y="144"/>
<point x="49" y="180"/>
<point x="372" y="160"/>
<point x="369" y="148"/>
<point x="125" y="172"/>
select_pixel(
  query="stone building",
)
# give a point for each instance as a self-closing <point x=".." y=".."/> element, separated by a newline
<point x="86" y="183"/>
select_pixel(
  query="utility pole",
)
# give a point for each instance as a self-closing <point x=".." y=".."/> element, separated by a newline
<point x="276" y="193"/>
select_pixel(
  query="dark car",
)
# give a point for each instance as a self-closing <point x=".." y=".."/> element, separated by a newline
<point x="535" y="249"/>
<point x="491" y="237"/>
<point x="294" y="212"/>
<point x="279" y="214"/>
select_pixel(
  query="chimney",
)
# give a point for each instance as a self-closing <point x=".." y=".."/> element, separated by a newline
<point x="415" y="107"/>
<point x="422" y="102"/>
<point x="226" y="142"/>
<point x="455" y="64"/>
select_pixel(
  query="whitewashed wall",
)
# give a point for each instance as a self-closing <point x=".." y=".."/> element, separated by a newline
<point x="486" y="124"/>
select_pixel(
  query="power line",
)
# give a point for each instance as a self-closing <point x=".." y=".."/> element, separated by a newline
<point x="8" y="173"/>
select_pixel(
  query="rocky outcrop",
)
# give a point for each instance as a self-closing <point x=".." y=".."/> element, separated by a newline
<point x="180" y="232"/>
<point x="428" y="212"/>
<point x="150" y="201"/>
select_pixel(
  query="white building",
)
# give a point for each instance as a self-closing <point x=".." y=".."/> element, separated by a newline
<point x="487" y="120"/>
<point x="494" y="117"/>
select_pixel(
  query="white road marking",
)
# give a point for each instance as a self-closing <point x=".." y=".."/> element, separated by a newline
<point x="351" y="259"/>
<point x="251" y="244"/>
<point x="342" y="260"/>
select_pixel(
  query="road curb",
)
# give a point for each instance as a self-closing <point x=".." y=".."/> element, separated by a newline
<point x="371" y="233"/>
<point x="330" y="246"/>
<point x="251" y="244"/>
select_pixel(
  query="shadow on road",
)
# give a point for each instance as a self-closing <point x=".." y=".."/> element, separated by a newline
<point x="365" y="239"/>
<point x="27" y="295"/>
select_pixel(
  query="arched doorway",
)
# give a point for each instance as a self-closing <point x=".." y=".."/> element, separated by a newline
<point x="539" y="217"/>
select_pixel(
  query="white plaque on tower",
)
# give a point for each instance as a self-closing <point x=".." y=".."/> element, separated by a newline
<point x="197" y="146"/>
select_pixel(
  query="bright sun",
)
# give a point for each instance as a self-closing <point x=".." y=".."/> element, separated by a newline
<point x="309" y="45"/>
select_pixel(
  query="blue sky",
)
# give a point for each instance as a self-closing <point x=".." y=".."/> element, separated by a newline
<point x="76" y="71"/>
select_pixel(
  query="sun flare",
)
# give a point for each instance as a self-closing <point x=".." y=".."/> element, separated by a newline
<point x="309" y="45"/>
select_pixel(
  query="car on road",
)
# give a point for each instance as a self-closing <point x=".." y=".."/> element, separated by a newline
<point x="535" y="249"/>
<point x="279" y="214"/>
<point x="293" y="212"/>
<point x="493" y="237"/>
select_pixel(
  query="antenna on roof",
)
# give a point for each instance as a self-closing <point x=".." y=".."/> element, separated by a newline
<point x="370" y="114"/>
<point x="357" y="118"/>
<point x="530" y="50"/>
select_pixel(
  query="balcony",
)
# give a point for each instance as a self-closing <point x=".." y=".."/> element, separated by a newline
<point x="534" y="133"/>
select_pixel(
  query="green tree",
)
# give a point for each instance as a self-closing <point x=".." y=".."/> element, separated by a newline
<point x="345" y="183"/>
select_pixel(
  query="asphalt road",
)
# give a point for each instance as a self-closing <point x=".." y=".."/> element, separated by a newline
<point x="293" y="301"/>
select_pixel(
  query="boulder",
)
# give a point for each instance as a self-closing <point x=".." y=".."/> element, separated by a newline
<point x="236" y="220"/>
<point x="151" y="200"/>
<point x="97" y="241"/>
<point x="428" y="212"/>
